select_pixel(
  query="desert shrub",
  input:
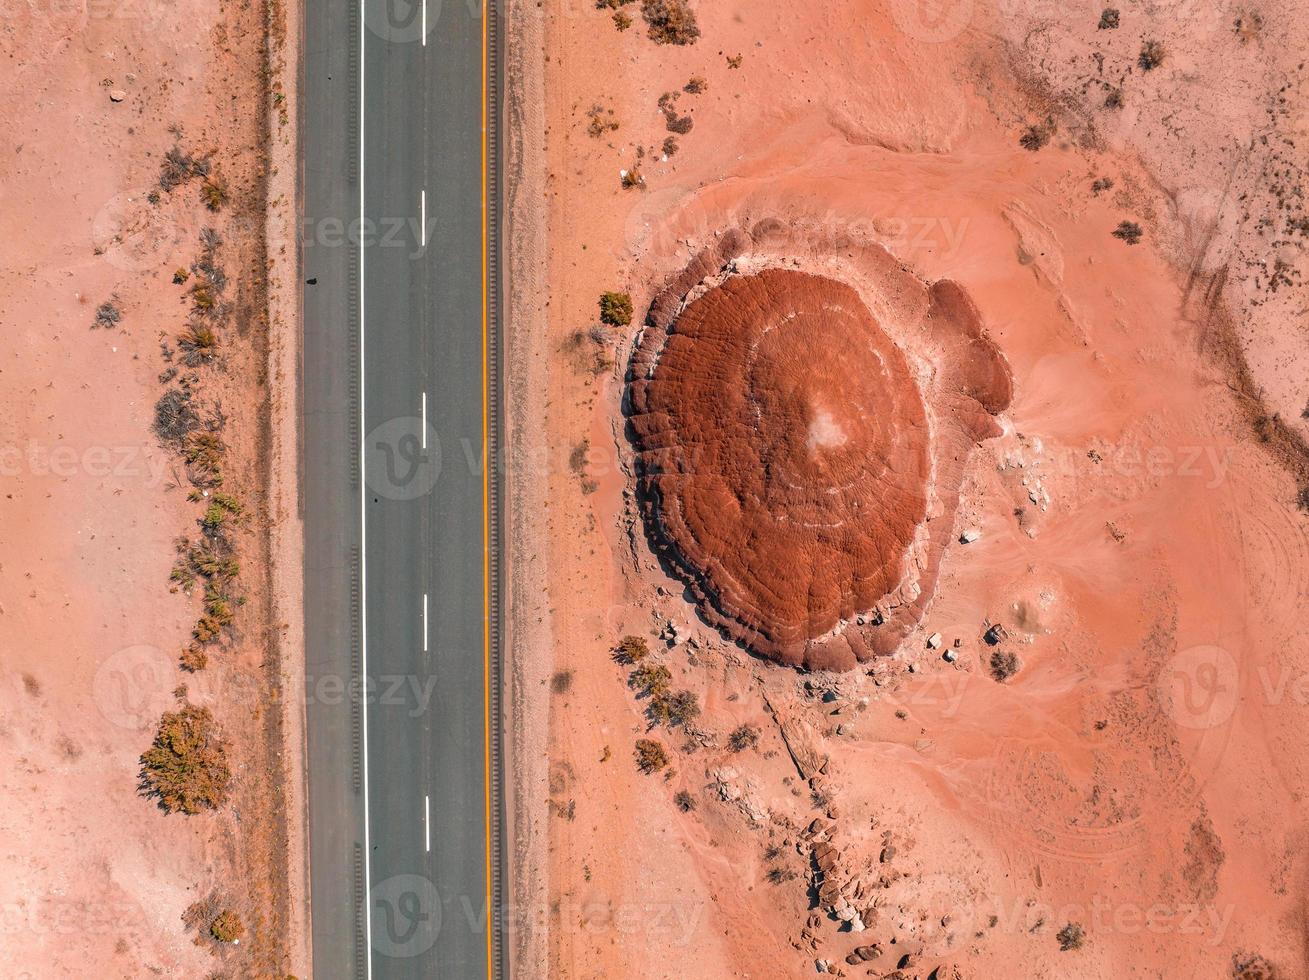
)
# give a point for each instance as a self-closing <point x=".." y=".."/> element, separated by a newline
<point x="214" y="193"/>
<point x="175" y="417"/>
<point x="742" y="738"/>
<point x="779" y="876"/>
<point x="1101" y="184"/>
<point x="107" y="315"/>
<point x="577" y="458"/>
<point x="684" y="801"/>
<point x="1071" y="936"/>
<point x="180" y="276"/>
<point x="194" y="658"/>
<point x="199" y="344"/>
<point x="681" y="125"/>
<point x="674" y="708"/>
<point x="1128" y="231"/>
<point x="1004" y="664"/>
<point x="1151" y="56"/>
<point x="632" y="650"/>
<point x="204" y="453"/>
<point x="31" y="685"/>
<point x="670" y="146"/>
<point x="696" y="85"/>
<point x="1114" y="100"/>
<point x="1108" y="19"/>
<point x="561" y="682"/>
<point x="185" y="768"/>
<point x="1252" y="966"/>
<point x="651" y="756"/>
<point x="670" y="21"/>
<point x="735" y="61"/>
<point x="616" y="309"/>
<point x="179" y="166"/>
<point x="227" y="927"/>
<point x="611" y="4"/>
<point x="631" y="178"/>
<point x="650" y="680"/>
<point x="1036" y="136"/>
<point x="622" y="20"/>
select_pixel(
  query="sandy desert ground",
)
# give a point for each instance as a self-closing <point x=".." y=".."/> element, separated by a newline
<point x="96" y="878"/>
<point x="1137" y="524"/>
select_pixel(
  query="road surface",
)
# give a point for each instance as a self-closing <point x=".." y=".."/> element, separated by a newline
<point x="401" y="578"/>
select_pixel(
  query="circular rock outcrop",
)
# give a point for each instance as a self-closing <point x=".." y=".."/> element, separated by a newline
<point x="785" y="457"/>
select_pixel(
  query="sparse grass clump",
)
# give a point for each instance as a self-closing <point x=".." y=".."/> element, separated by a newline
<point x="601" y="121"/>
<point x="622" y="20"/>
<point x="1128" y="231"/>
<point x="1101" y="184"/>
<point x="684" y="801"/>
<point x="185" y="768"/>
<point x="651" y="756"/>
<point x="742" y="738"/>
<point x="199" y="344"/>
<point x="1004" y="664"/>
<point x="1071" y="936"/>
<point x="204" y="452"/>
<point x="1108" y="19"/>
<point x="1151" y="56"/>
<point x="696" y="85"/>
<point x="616" y="309"/>
<point x="670" y="21"/>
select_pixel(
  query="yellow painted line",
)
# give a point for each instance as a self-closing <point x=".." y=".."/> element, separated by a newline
<point x="486" y="513"/>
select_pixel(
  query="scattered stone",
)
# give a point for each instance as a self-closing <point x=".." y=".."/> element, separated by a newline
<point x="949" y="656"/>
<point x="934" y="641"/>
<point x="995" y="634"/>
<point x="117" y="95"/>
<point x="888" y="852"/>
<point x="969" y="536"/>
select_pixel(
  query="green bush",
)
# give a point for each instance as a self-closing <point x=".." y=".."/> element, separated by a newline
<point x="616" y="309"/>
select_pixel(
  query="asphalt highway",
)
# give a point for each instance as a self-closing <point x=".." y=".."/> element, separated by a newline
<point x="400" y="391"/>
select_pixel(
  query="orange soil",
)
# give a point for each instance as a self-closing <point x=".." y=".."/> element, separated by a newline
<point x="1141" y="773"/>
<point x="96" y="878"/>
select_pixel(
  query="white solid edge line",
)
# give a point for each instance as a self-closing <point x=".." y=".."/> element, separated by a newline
<point x="363" y="510"/>
<point x="424" y="420"/>
<point x="424" y="23"/>
<point x="424" y="622"/>
<point x="422" y="208"/>
<point x="427" y="822"/>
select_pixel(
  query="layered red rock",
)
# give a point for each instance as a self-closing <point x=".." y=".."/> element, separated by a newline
<point x="788" y="461"/>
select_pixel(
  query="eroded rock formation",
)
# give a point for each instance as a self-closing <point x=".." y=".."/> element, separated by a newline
<point x="797" y="460"/>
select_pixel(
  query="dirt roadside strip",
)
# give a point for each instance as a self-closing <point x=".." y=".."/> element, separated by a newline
<point x="526" y="653"/>
<point x="284" y="501"/>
